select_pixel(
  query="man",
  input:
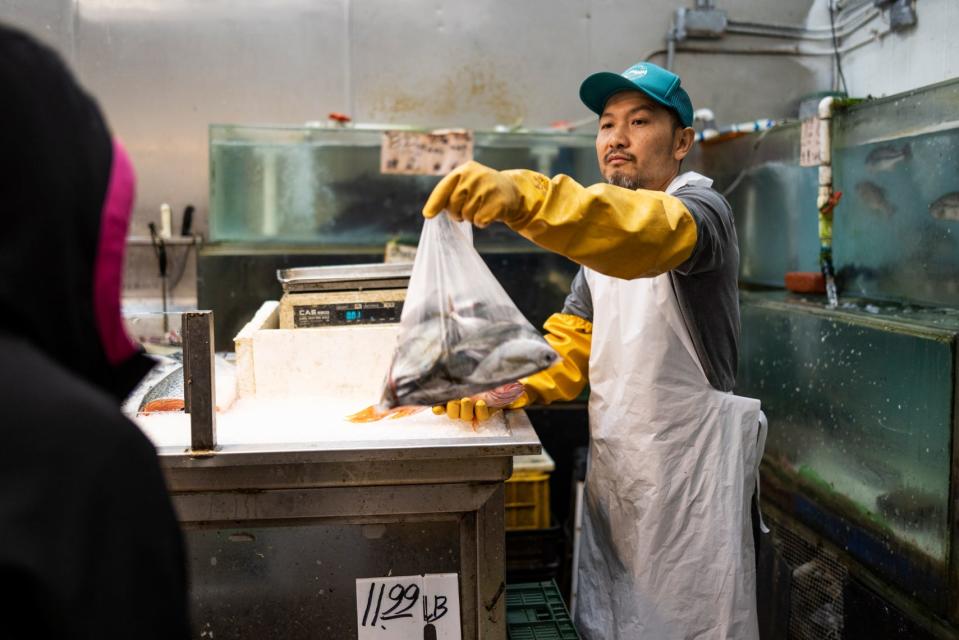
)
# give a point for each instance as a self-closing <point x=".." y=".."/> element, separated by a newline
<point x="653" y="322"/>
<point x="89" y="545"/>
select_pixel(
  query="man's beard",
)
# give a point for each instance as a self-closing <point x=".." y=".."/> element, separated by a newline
<point x="622" y="180"/>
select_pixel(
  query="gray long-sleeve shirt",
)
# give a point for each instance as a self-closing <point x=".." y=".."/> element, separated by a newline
<point x="705" y="284"/>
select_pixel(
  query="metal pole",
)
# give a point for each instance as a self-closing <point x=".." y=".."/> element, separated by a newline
<point x="198" y="380"/>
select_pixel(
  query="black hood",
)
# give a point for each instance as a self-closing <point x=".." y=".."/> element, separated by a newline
<point x="56" y="155"/>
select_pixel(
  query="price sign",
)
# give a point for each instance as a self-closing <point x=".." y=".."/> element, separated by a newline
<point x="809" y="143"/>
<point x="431" y="154"/>
<point x="408" y="607"/>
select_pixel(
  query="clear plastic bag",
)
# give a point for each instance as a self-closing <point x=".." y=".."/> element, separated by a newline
<point x="460" y="334"/>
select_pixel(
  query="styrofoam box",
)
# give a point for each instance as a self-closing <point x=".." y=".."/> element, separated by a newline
<point x="338" y="361"/>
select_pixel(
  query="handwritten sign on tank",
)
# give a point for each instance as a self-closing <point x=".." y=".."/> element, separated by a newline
<point x="809" y="143"/>
<point x="425" y="153"/>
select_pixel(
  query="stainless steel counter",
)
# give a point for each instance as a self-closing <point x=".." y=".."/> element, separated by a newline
<point x="278" y="534"/>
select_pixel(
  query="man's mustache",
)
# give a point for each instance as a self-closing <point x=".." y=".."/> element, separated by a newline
<point x="609" y="155"/>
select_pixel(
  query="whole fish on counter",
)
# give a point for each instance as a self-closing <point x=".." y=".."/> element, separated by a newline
<point x="167" y="393"/>
<point x="460" y="354"/>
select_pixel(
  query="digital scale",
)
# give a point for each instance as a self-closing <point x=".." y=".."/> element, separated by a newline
<point x="343" y="295"/>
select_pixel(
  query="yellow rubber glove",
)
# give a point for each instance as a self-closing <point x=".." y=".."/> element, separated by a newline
<point x="615" y="231"/>
<point x="465" y="410"/>
<point x="475" y="193"/>
<point x="572" y="338"/>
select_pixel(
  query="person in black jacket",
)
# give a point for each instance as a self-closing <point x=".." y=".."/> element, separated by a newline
<point x="89" y="544"/>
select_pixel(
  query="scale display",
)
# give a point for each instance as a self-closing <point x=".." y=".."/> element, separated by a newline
<point x="325" y="315"/>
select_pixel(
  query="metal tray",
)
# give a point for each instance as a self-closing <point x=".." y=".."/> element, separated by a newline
<point x="353" y="277"/>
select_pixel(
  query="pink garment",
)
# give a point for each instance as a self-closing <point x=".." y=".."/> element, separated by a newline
<point x="108" y="268"/>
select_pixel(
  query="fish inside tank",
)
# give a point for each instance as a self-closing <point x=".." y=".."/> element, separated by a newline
<point x="896" y="231"/>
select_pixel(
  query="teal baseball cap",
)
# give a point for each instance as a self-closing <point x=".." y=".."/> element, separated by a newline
<point x="659" y="84"/>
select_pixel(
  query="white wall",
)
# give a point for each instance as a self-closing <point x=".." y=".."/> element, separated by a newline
<point x="899" y="61"/>
<point x="164" y="69"/>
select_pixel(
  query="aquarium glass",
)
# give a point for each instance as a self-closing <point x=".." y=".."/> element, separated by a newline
<point x="323" y="186"/>
<point x="773" y="200"/>
<point x="896" y="162"/>
<point x="860" y="403"/>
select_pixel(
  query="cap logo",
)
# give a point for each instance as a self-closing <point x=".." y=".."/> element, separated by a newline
<point x="635" y="73"/>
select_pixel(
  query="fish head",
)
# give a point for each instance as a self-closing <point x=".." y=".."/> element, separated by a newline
<point x="545" y="356"/>
<point x="519" y="358"/>
<point x="946" y="207"/>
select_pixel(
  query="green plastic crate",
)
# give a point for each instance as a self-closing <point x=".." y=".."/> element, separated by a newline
<point x="536" y="611"/>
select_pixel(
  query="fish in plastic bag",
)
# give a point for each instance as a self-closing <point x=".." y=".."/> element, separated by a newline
<point x="460" y="335"/>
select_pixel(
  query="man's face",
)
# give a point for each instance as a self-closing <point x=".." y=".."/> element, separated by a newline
<point x="638" y="144"/>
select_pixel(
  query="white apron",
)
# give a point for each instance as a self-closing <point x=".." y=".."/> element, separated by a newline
<point x="667" y="549"/>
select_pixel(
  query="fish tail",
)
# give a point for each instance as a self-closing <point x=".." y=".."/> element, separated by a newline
<point x="402" y="412"/>
<point x="369" y="414"/>
<point x="373" y="413"/>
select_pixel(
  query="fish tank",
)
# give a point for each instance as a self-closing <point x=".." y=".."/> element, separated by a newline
<point x="861" y="398"/>
<point x="773" y="200"/>
<point x="302" y="196"/>
<point x="896" y="229"/>
<point x="323" y="185"/>
<point x="861" y="402"/>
